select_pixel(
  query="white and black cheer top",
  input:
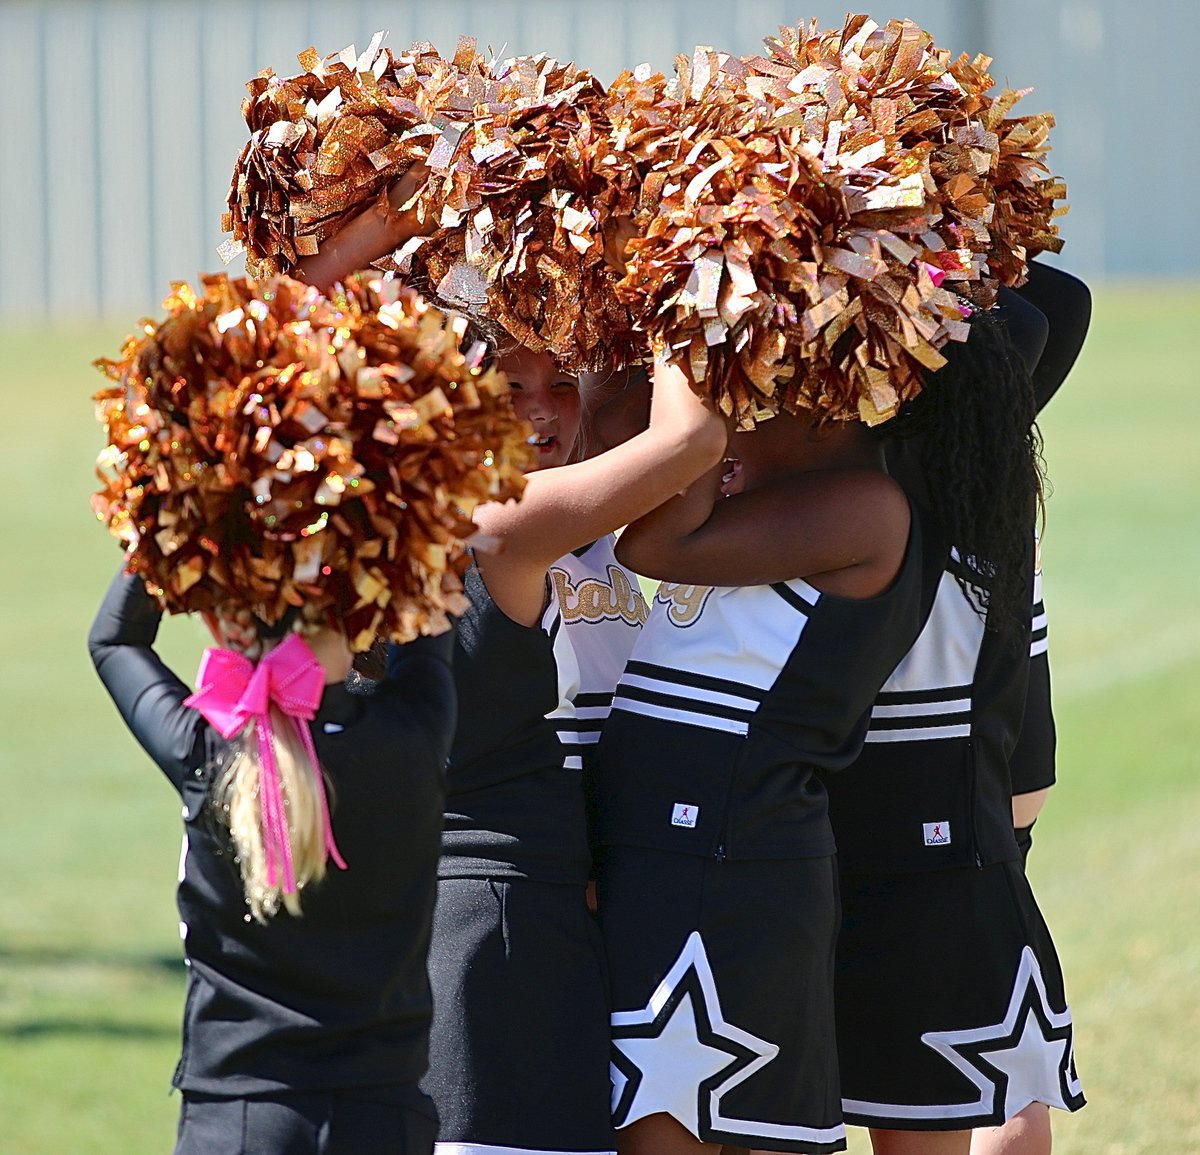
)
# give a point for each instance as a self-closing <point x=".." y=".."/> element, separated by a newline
<point x="602" y="609"/>
<point x="337" y="999"/>
<point x="513" y="809"/>
<point x="1032" y="764"/>
<point x="734" y="696"/>
<point x="932" y="788"/>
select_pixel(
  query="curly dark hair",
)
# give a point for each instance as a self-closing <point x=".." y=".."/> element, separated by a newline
<point x="977" y="449"/>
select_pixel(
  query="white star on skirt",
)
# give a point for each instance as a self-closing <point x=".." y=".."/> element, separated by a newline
<point x="1030" y="1049"/>
<point x="1032" y="1066"/>
<point x="673" y="1065"/>
<point x="672" y="1062"/>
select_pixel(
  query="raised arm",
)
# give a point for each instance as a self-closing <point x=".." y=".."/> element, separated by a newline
<point x="1028" y="328"/>
<point x="844" y="530"/>
<point x="421" y="677"/>
<point x="569" y="506"/>
<point x="1067" y="304"/>
<point x="147" y="694"/>
<point x="380" y="229"/>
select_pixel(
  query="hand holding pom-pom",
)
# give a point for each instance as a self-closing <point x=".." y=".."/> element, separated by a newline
<point x="503" y="217"/>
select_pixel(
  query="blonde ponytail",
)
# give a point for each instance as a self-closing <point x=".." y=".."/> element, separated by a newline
<point x="238" y="801"/>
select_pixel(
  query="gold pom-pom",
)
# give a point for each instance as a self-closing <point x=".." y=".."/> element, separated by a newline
<point x="269" y="448"/>
<point x="801" y="217"/>
<point x="324" y="144"/>
<point x="514" y="235"/>
<point x="520" y="240"/>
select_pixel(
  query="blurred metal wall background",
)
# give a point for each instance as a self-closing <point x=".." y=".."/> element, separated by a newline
<point x="121" y="118"/>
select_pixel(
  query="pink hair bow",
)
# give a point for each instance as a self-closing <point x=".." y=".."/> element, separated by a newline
<point x="232" y="691"/>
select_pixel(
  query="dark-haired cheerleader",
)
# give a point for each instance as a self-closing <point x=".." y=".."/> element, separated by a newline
<point x="519" y="1053"/>
<point x="1066" y="304"/>
<point x="743" y="684"/>
<point x="951" y="1008"/>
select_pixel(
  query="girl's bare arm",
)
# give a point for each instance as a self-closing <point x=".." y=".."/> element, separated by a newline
<point x="572" y="505"/>
<point x="378" y="230"/>
<point x="844" y="530"/>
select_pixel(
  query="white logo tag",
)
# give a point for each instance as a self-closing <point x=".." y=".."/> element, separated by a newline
<point x="684" y="814"/>
<point x="937" y="833"/>
<point x="334" y="727"/>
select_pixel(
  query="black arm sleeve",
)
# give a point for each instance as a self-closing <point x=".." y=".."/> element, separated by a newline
<point x="147" y="694"/>
<point x="1032" y="762"/>
<point x="1028" y="327"/>
<point x="1067" y="304"/>
<point x="421" y="672"/>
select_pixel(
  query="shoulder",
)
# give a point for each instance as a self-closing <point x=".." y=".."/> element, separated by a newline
<point x="865" y="524"/>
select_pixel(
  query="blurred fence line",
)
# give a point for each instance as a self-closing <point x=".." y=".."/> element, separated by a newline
<point x="122" y="117"/>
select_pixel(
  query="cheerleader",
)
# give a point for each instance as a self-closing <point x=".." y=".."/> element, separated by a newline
<point x="520" y="1041"/>
<point x="925" y="826"/>
<point x="598" y="600"/>
<point x="1066" y="303"/>
<point x="519" y="1048"/>
<point x="299" y="524"/>
<point x="717" y="887"/>
<point x="305" y="1026"/>
<point x="604" y="608"/>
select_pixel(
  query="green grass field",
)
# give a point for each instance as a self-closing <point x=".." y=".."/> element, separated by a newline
<point x="91" y="981"/>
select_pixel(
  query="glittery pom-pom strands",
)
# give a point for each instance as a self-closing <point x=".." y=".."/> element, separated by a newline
<point x="509" y="146"/>
<point x="800" y="228"/>
<point x="269" y="448"/>
<point x="802" y="216"/>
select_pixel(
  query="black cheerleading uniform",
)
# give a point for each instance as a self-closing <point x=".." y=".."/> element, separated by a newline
<point x="603" y="611"/>
<point x="311" y="1030"/>
<point x="718" y="895"/>
<point x="951" y="1006"/>
<point x="1031" y="765"/>
<point x="519" y="1045"/>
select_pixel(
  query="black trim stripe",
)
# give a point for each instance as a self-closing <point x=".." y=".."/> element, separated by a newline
<point x="685" y="705"/>
<point x="922" y="721"/>
<point x="697" y="681"/>
<point x="793" y="599"/>
<point x="918" y="697"/>
<point x="587" y="701"/>
<point x="578" y="725"/>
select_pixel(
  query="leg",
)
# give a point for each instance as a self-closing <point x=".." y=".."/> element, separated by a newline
<point x="920" y="1142"/>
<point x="1026" y="1133"/>
<point x="660" y="1135"/>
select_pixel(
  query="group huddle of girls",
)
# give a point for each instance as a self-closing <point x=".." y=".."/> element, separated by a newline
<point x="727" y="866"/>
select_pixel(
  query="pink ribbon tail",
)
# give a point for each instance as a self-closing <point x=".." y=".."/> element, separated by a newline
<point x="233" y="690"/>
<point x="276" y="840"/>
